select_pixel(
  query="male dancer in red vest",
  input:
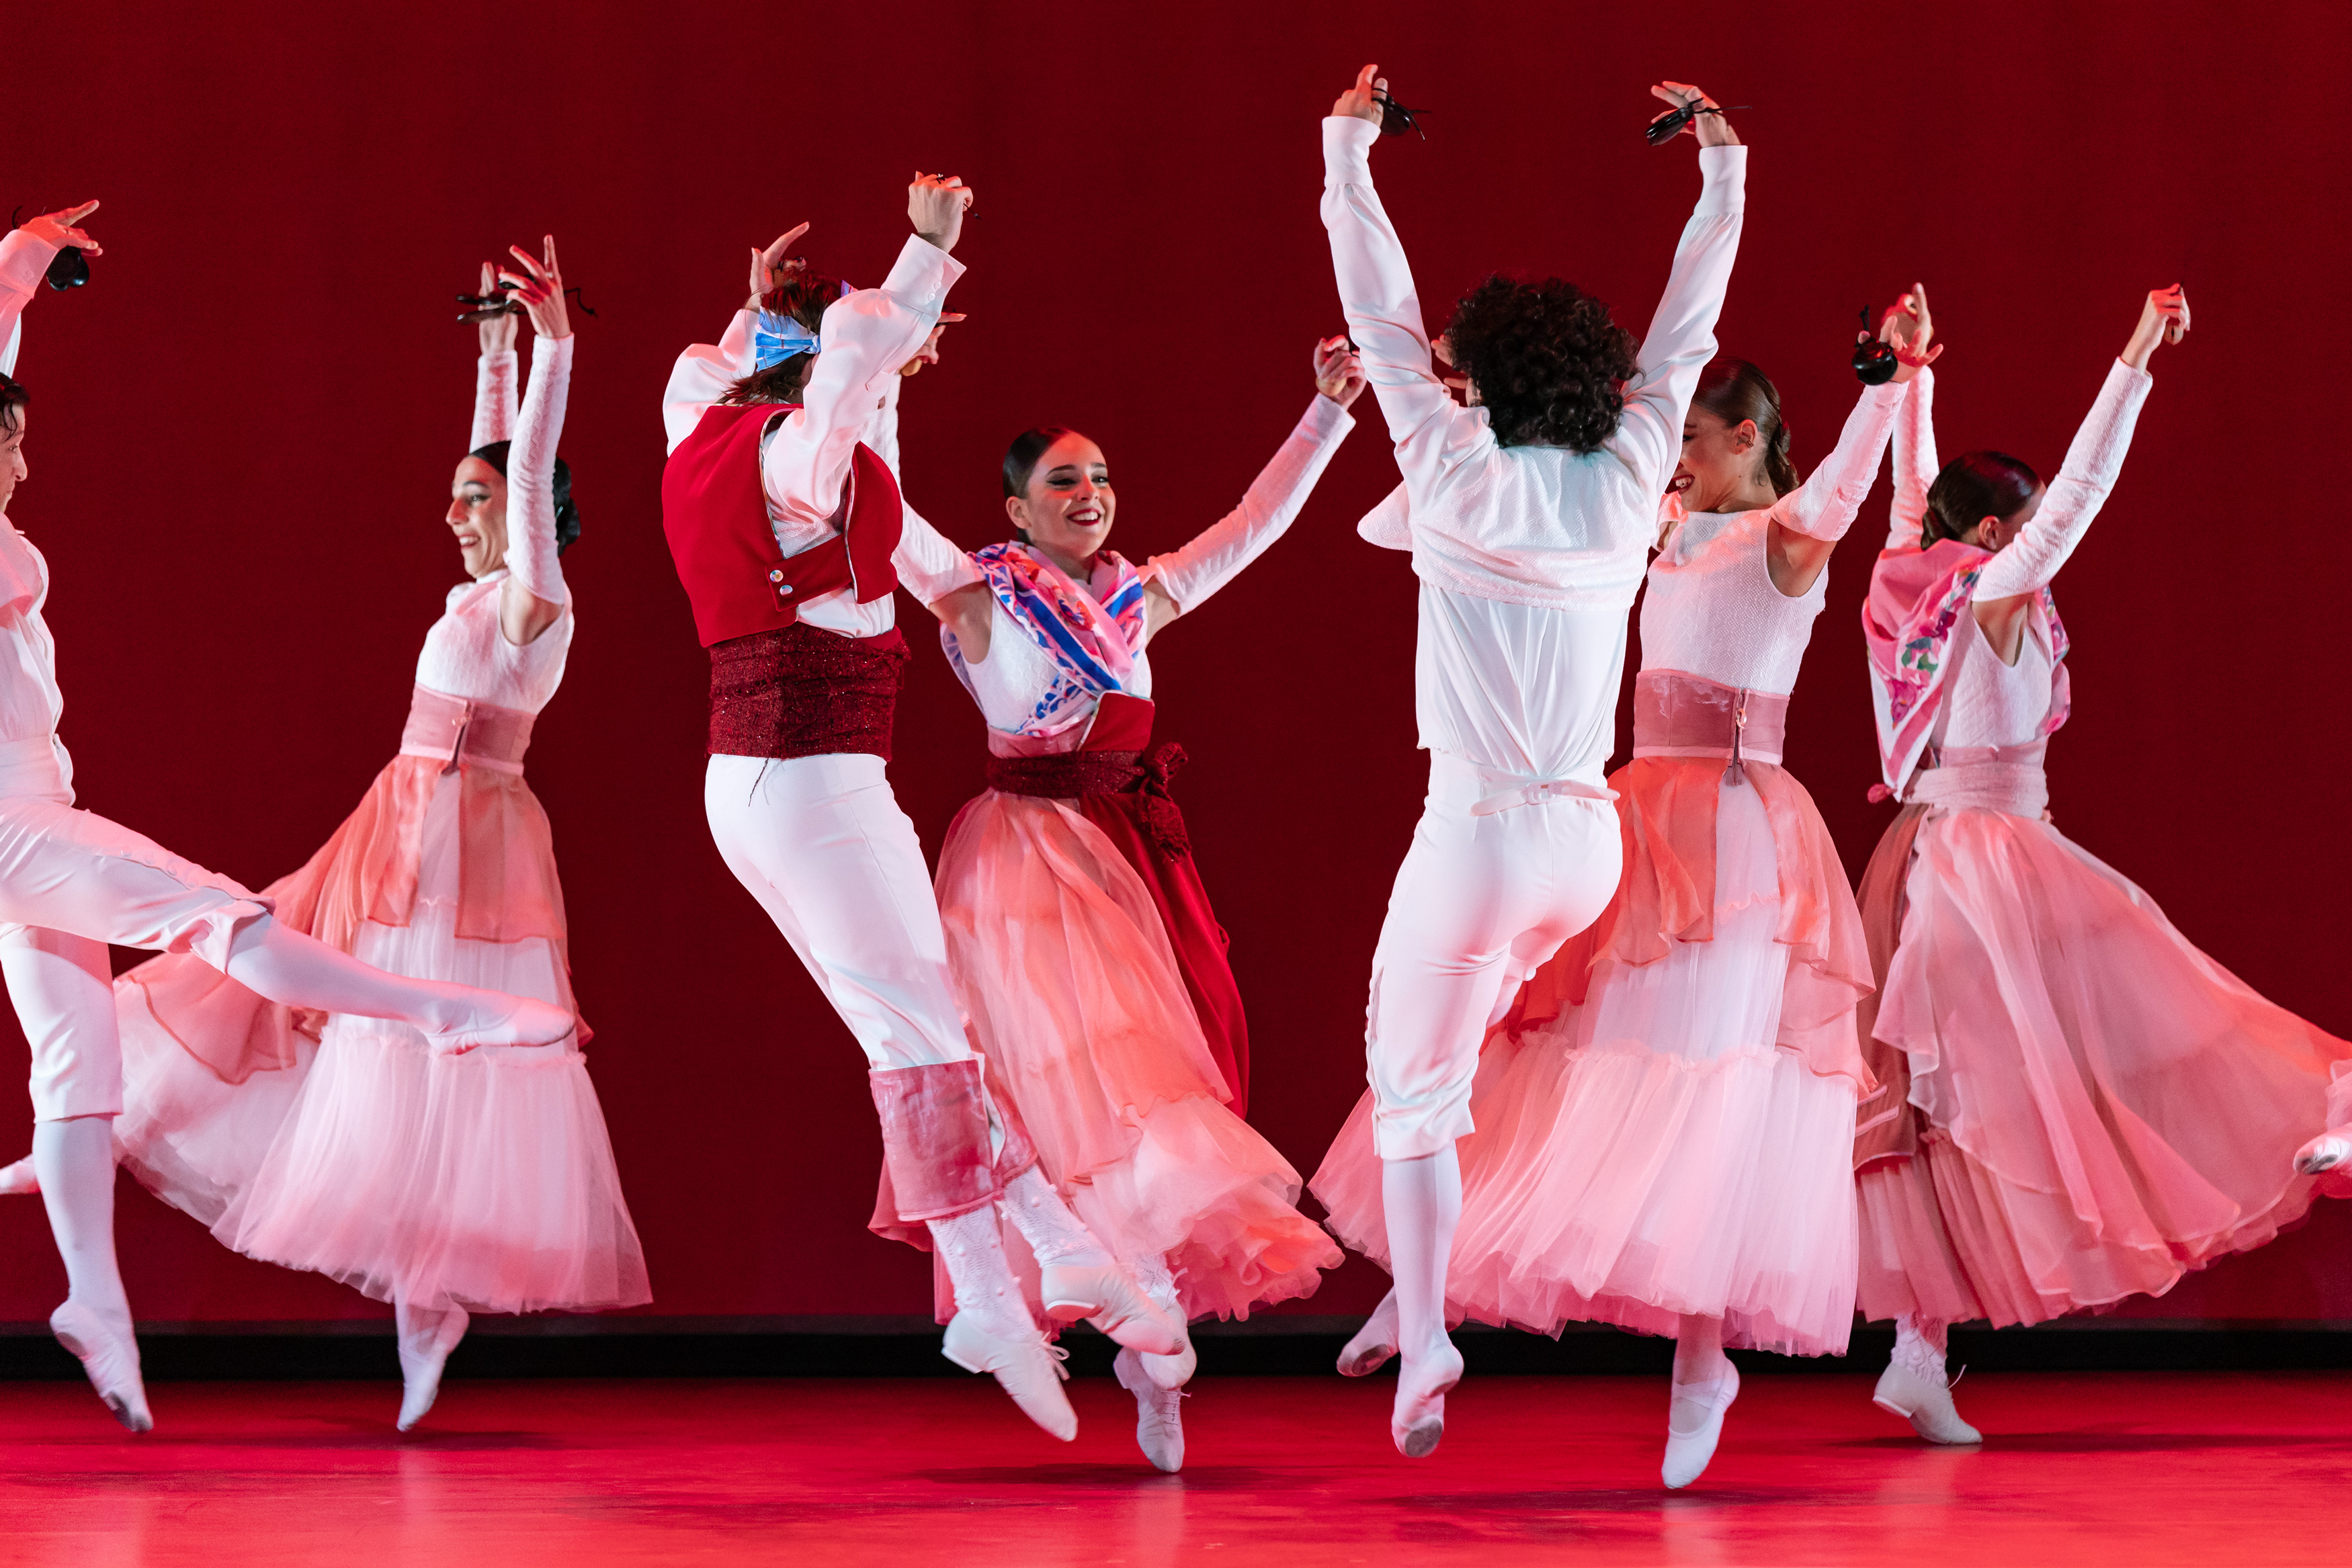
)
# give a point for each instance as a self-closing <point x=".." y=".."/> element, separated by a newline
<point x="789" y="534"/>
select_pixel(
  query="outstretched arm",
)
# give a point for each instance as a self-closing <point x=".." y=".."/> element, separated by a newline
<point x="1682" y="334"/>
<point x="1184" y="578"/>
<point x="534" y="595"/>
<point x="2027" y="564"/>
<point x="1434" y="435"/>
<point x="25" y="255"/>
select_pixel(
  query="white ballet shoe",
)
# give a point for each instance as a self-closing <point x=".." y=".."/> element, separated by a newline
<point x="2324" y="1153"/>
<point x="1159" y="1411"/>
<point x="1926" y="1404"/>
<point x="1374" y="1343"/>
<point x="109" y="1355"/>
<point x="1170" y="1372"/>
<point x="1417" y="1420"/>
<point x="1106" y="1297"/>
<point x="1024" y="1366"/>
<point x="19" y="1180"/>
<point x="524" y="1020"/>
<point x="1694" y="1424"/>
<point x="420" y="1367"/>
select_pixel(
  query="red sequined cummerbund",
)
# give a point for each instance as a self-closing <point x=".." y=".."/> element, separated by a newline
<point x="801" y="691"/>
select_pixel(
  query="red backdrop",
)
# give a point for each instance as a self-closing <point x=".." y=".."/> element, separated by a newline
<point x="245" y="426"/>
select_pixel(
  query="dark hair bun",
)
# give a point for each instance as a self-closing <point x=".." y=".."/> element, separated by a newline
<point x="1973" y="486"/>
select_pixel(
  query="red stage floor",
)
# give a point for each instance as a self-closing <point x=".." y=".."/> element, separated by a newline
<point x="2139" y="1469"/>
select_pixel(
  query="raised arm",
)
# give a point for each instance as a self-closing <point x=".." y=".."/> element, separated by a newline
<point x="1433" y="435"/>
<point x="1184" y="578"/>
<point x="2028" y="562"/>
<point x="494" y="375"/>
<point x="24" y="256"/>
<point x="534" y="595"/>
<point x="702" y="375"/>
<point x="1682" y="334"/>
<point x="1915" y="465"/>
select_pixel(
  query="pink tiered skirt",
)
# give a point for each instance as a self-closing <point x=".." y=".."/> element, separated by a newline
<point x="1666" y="1141"/>
<point x="1072" y="987"/>
<point x="2102" y="1107"/>
<point x="345" y="1145"/>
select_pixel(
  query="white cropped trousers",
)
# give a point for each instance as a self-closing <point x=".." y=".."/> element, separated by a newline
<point x="821" y="842"/>
<point x="1480" y="904"/>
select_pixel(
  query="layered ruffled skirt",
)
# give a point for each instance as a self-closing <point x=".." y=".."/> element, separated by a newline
<point x="1665" y="1120"/>
<point x="1063" y="966"/>
<point x="345" y="1145"/>
<point x="2095" y="1106"/>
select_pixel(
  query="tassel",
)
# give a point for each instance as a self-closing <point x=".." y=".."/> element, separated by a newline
<point x="1736" y="775"/>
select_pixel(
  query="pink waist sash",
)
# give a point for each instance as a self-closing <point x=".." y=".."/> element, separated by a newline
<point x="452" y="730"/>
<point x="1680" y="715"/>
<point x="1991" y="778"/>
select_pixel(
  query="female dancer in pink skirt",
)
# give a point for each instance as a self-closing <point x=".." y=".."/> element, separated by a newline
<point x="1079" y="935"/>
<point x="1665" y="1122"/>
<point x="2075" y="1105"/>
<point x="71" y="882"/>
<point x="447" y="1184"/>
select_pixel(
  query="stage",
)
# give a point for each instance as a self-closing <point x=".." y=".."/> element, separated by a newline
<point x="2140" y="1468"/>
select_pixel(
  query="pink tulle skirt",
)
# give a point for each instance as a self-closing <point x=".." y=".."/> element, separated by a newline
<point x="1073" y="991"/>
<point x="1655" y="1150"/>
<point x="485" y="1181"/>
<point x="2105" y="1107"/>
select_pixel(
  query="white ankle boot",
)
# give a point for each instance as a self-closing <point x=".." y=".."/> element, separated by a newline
<point x="421" y="1364"/>
<point x="1417" y="1420"/>
<point x="1926" y="1402"/>
<point x="1694" y="1424"/>
<point x="1024" y="1366"/>
<point x="1159" y="1412"/>
<point x="1106" y="1297"/>
<point x="108" y="1354"/>
<point x="1374" y="1343"/>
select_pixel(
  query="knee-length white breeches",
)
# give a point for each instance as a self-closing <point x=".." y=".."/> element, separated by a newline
<point x="1480" y="904"/>
<point x="821" y="842"/>
<point x="70" y="882"/>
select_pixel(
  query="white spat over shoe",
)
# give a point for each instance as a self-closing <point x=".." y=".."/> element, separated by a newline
<point x="1024" y="1366"/>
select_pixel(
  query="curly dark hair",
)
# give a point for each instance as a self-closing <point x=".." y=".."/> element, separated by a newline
<point x="13" y="396"/>
<point x="1547" y="361"/>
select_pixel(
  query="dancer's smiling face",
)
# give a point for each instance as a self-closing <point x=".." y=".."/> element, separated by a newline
<point x="1067" y="507"/>
<point x="478" y="516"/>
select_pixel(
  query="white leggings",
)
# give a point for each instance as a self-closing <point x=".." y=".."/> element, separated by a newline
<point x="1480" y="904"/>
<point x="820" y="842"/>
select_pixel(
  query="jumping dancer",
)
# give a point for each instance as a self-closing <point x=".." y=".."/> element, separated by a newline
<point x="2075" y="1105"/>
<point x="1530" y="516"/>
<point x="445" y="1184"/>
<point x="1666" y="1120"/>
<point x="789" y="533"/>
<point x="1079" y="934"/>
<point x="72" y="882"/>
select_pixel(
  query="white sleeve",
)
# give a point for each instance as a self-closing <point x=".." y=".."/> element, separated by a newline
<point x="1826" y="504"/>
<point x="494" y="399"/>
<point x="702" y="375"/>
<point x="23" y="260"/>
<point x="1682" y="334"/>
<point x="1390" y="524"/>
<point x="1217" y="553"/>
<point x="1433" y="435"/>
<point x="928" y="563"/>
<point x="868" y="335"/>
<point x="1915" y="463"/>
<point x="2028" y="561"/>
<point x="882" y="427"/>
<point x="531" y="472"/>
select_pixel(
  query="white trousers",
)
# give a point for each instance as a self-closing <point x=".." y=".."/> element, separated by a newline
<point x="70" y="882"/>
<point x="1480" y="904"/>
<point x="820" y="842"/>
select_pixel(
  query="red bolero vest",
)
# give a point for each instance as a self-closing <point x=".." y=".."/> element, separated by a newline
<point x="715" y="513"/>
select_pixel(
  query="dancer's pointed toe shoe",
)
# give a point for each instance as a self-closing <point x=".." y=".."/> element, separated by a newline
<point x="1108" y="1298"/>
<point x="19" y="1180"/>
<point x="1694" y="1424"/>
<point x="1159" y="1412"/>
<point x="2324" y="1153"/>
<point x="505" y="1020"/>
<point x="1926" y="1404"/>
<point x="108" y="1354"/>
<point x="1417" y="1420"/>
<point x="1170" y="1371"/>
<point x="1023" y="1365"/>
<point x="421" y="1366"/>
<point x="1375" y="1343"/>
